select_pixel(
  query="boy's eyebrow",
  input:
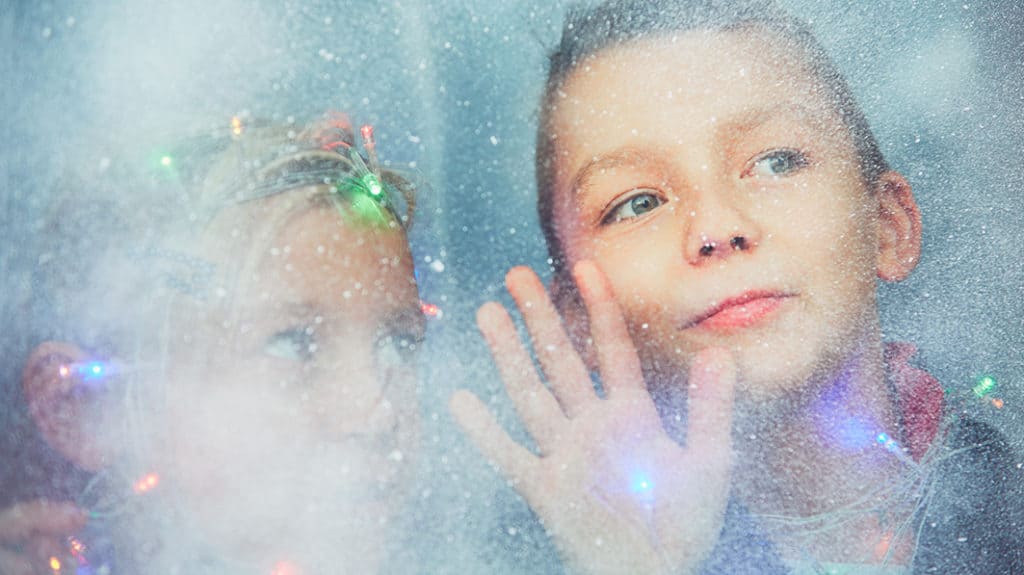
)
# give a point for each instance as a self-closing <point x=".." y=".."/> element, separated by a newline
<point x="606" y="161"/>
<point x="745" y="121"/>
<point x="751" y="119"/>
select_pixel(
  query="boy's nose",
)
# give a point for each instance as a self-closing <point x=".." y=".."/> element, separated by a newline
<point x="717" y="231"/>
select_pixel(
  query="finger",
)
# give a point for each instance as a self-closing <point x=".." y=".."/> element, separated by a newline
<point x="616" y="354"/>
<point x="516" y="462"/>
<point x="712" y="383"/>
<point x="569" y="377"/>
<point x="15" y="563"/>
<point x="534" y="403"/>
<point x="20" y="521"/>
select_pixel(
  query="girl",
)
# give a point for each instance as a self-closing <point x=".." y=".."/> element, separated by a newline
<point x="718" y="213"/>
<point x="231" y="351"/>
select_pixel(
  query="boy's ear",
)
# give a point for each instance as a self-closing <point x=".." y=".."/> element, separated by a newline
<point x="899" y="230"/>
<point x="61" y="404"/>
<point x="566" y="297"/>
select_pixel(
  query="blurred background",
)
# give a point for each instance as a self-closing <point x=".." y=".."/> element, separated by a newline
<point x="452" y="87"/>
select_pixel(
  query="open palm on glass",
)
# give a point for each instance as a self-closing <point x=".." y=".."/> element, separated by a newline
<point x="615" y="491"/>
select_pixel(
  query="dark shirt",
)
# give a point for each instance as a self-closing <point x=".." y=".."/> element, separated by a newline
<point x="973" y="523"/>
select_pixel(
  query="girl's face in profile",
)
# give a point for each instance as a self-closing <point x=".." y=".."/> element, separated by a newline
<point x="292" y="415"/>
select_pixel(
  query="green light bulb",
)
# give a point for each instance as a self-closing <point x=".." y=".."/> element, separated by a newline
<point x="986" y="385"/>
<point x="372" y="184"/>
<point x="367" y="211"/>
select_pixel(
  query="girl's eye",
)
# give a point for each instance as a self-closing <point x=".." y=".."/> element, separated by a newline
<point x="397" y="350"/>
<point x="775" y="163"/>
<point x="296" y="344"/>
<point x="634" y="206"/>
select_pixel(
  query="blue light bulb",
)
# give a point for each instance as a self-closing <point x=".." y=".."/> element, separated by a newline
<point x="642" y="484"/>
<point x="93" y="370"/>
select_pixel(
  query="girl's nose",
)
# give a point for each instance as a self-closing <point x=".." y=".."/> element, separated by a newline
<point x="354" y="402"/>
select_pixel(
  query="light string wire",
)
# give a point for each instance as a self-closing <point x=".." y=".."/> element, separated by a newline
<point x="910" y="497"/>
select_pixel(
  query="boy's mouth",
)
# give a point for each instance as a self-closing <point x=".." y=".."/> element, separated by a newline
<point x="739" y="311"/>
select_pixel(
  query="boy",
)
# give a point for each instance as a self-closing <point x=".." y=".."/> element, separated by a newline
<point x="707" y="176"/>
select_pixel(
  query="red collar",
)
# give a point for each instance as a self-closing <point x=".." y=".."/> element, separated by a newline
<point x="919" y="398"/>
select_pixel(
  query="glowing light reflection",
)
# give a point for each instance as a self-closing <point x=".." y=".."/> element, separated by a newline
<point x="285" y="568"/>
<point x="92" y="370"/>
<point x="430" y="310"/>
<point x="986" y="385"/>
<point x="642" y="485"/>
<point x="147" y="483"/>
<point x="77" y="550"/>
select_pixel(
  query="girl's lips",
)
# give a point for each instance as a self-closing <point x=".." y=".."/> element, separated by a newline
<point x="740" y="312"/>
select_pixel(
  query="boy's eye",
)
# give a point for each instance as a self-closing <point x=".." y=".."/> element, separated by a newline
<point x="633" y="206"/>
<point x="296" y="344"/>
<point x="775" y="163"/>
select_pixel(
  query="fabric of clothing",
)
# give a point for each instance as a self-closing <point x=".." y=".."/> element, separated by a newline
<point x="971" y="521"/>
<point x="972" y="517"/>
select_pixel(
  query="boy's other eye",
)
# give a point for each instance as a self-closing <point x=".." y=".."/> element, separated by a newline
<point x="775" y="163"/>
<point x="634" y="206"/>
<point x="296" y="344"/>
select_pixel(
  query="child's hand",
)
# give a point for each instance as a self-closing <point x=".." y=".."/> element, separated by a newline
<point x="615" y="492"/>
<point x="34" y="533"/>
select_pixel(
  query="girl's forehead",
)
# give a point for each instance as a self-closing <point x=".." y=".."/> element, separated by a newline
<point x="315" y="258"/>
<point x="241" y="235"/>
<point x="297" y="245"/>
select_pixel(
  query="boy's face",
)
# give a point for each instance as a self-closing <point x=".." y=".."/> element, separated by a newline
<point x="294" y="423"/>
<point x="715" y="184"/>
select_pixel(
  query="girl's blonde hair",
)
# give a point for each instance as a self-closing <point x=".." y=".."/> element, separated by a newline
<point x="126" y="231"/>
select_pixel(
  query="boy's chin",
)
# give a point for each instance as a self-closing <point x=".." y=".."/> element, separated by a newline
<point x="767" y="374"/>
<point x="766" y="378"/>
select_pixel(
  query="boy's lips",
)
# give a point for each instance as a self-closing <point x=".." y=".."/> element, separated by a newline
<point x="739" y="311"/>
